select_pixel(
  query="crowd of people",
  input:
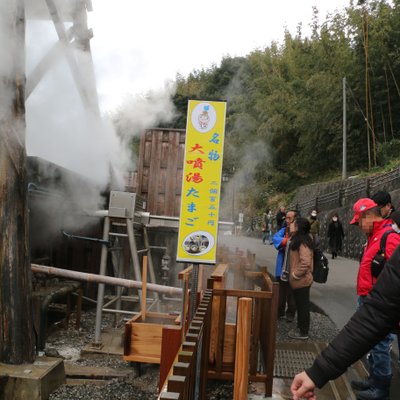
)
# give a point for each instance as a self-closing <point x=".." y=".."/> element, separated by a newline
<point x="370" y="330"/>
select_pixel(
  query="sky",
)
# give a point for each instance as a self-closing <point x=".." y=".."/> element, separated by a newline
<point x="139" y="47"/>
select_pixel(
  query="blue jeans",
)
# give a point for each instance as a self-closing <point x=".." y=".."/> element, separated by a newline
<point x="379" y="359"/>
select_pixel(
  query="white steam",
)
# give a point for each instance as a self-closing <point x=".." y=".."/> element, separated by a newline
<point x="63" y="126"/>
<point x="145" y="111"/>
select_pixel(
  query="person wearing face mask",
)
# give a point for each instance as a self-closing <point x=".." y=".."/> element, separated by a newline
<point x="395" y="217"/>
<point x="335" y="235"/>
<point x="314" y="224"/>
<point x="368" y="217"/>
<point x="384" y="201"/>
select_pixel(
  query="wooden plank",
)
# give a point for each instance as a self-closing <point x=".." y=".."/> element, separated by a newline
<point x="219" y="272"/>
<point x="271" y="338"/>
<point x="241" y="381"/>
<point x="170" y="396"/>
<point x="172" y="166"/>
<point x="215" y="311"/>
<point x="186" y="271"/>
<point x="170" y="343"/>
<point x="127" y="338"/>
<point x="229" y="376"/>
<point x="83" y="371"/>
<point x="154" y="171"/>
<point x="146" y="341"/>
<point x="229" y="344"/>
<point x="157" y="315"/>
<point x="160" y="169"/>
<point x="220" y="337"/>
<point x="242" y="293"/>
<point x="177" y="384"/>
<point x="77" y="382"/>
<point x="142" y="359"/>
<point x="186" y="356"/>
<point x="255" y="337"/>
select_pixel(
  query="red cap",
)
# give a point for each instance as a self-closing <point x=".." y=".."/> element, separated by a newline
<point x="360" y="206"/>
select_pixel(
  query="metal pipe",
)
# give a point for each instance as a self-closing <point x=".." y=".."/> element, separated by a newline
<point x="85" y="298"/>
<point x="109" y="280"/>
<point x="134" y="253"/>
<point x="114" y="311"/>
<point x="151" y="265"/>
<point x="118" y="234"/>
<point x="88" y="239"/>
<point x="57" y="294"/>
<point x="100" y="290"/>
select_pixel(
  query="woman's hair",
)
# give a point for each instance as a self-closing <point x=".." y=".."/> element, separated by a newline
<point x="302" y="234"/>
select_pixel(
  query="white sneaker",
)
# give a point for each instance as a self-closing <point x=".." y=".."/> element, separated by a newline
<point x="296" y="334"/>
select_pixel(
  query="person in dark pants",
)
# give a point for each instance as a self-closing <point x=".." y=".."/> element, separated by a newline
<point x="368" y="217"/>
<point x="368" y="326"/>
<point x="335" y="235"/>
<point x="301" y="278"/>
<point x="280" y="218"/>
<point x="286" y="303"/>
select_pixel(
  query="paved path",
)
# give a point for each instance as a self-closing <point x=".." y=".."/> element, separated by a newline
<point x="337" y="298"/>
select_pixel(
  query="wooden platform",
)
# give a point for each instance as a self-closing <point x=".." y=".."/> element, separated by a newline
<point x="112" y="343"/>
<point x="31" y="381"/>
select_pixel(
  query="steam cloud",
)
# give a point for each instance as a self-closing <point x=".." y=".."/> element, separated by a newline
<point x="82" y="153"/>
<point x="63" y="130"/>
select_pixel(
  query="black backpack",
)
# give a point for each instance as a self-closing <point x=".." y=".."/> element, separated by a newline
<point x="379" y="261"/>
<point x="321" y="268"/>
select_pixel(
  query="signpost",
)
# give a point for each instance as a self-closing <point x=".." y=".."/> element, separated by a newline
<point x="201" y="182"/>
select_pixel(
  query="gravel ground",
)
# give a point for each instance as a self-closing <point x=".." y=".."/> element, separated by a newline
<point x="68" y="343"/>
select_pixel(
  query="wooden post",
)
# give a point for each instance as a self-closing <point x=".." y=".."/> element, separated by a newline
<point x="16" y="326"/>
<point x="242" y="354"/>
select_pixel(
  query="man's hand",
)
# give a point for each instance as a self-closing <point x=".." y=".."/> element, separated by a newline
<point x="303" y="387"/>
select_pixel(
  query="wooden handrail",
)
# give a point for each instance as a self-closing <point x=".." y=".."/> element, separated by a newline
<point x="242" y="293"/>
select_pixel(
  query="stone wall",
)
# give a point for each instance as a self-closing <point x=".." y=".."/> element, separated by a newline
<point x="354" y="238"/>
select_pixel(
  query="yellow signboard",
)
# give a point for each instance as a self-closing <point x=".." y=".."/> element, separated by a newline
<point x="201" y="182"/>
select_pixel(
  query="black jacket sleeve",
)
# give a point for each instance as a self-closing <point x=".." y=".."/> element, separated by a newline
<point x="368" y="326"/>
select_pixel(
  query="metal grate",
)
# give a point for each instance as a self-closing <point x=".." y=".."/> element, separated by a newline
<point x="288" y="363"/>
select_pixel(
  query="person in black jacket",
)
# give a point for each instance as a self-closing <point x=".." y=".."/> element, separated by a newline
<point x="335" y="235"/>
<point x="378" y="316"/>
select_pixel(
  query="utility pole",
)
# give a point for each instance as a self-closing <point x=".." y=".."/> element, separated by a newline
<point x="344" y="163"/>
<point x="16" y="325"/>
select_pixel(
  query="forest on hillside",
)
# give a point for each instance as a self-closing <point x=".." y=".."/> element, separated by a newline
<point x="284" y="123"/>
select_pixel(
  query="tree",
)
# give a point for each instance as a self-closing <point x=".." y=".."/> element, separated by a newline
<point x="16" y="326"/>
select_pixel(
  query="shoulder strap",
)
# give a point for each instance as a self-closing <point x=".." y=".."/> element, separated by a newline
<point x="382" y="248"/>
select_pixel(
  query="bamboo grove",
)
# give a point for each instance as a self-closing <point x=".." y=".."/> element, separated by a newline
<point x="285" y="103"/>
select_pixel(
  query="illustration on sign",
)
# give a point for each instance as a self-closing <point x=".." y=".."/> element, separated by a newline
<point x="204" y="117"/>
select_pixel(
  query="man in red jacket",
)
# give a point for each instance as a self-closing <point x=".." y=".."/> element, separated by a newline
<point x="377" y="387"/>
<point x="369" y="219"/>
<point x="379" y="314"/>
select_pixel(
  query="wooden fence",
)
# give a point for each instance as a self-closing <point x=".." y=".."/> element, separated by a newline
<point x="224" y="345"/>
<point x="187" y="379"/>
<point x="232" y="335"/>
